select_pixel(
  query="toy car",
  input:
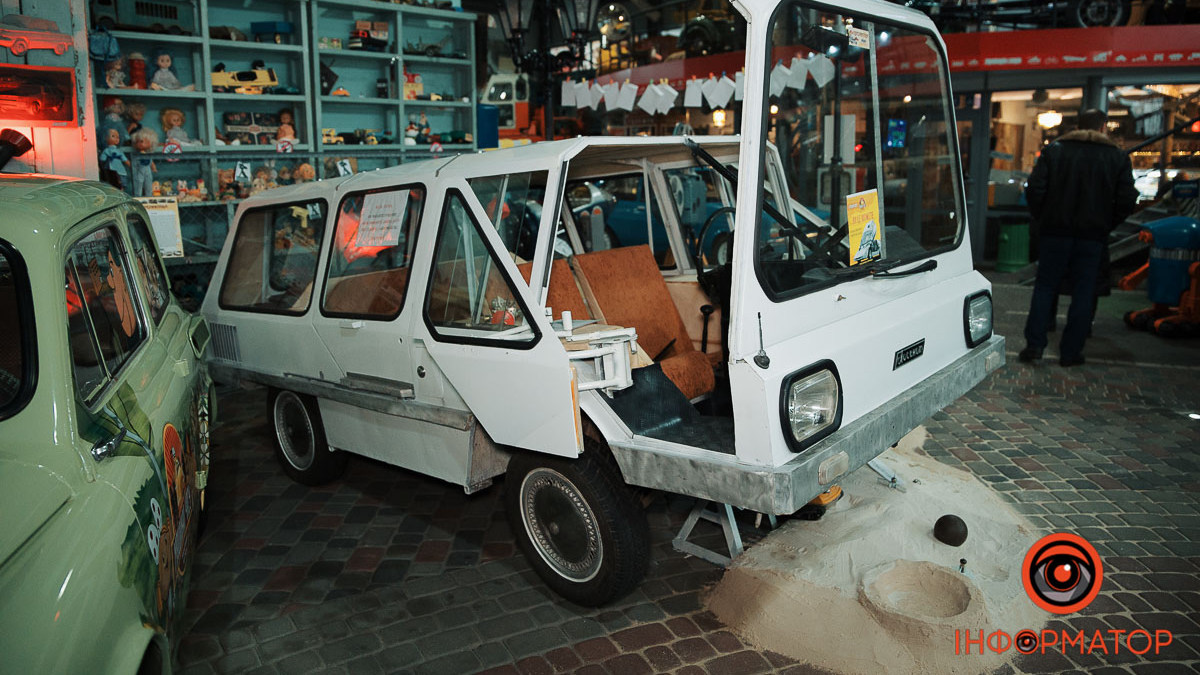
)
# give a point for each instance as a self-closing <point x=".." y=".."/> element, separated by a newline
<point x="21" y="33"/>
<point x="105" y="407"/>
<point x="252" y="81"/>
<point x="331" y="136"/>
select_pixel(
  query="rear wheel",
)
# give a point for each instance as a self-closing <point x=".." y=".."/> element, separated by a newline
<point x="300" y="440"/>
<point x="578" y="525"/>
<point x="1090" y="13"/>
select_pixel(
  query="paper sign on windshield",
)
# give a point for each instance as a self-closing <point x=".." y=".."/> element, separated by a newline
<point x="866" y="230"/>
<point x="382" y="217"/>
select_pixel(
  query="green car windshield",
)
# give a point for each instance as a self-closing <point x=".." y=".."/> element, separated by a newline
<point x="859" y="111"/>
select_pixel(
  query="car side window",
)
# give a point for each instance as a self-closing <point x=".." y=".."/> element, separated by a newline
<point x="16" y="334"/>
<point x="373" y="242"/>
<point x="274" y="259"/>
<point x="148" y="268"/>
<point x="470" y="299"/>
<point x="612" y="213"/>
<point x="104" y="325"/>
<point x="514" y="204"/>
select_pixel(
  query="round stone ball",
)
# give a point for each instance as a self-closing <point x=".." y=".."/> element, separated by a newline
<point x="950" y="529"/>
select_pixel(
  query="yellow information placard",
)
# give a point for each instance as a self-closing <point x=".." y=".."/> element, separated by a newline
<point x="865" y="228"/>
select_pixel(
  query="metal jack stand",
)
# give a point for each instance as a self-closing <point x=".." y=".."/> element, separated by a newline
<point x="885" y="472"/>
<point x="723" y="516"/>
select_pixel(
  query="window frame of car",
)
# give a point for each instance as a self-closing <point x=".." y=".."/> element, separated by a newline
<point x="112" y="221"/>
<point x="413" y="231"/>
<point x="27" y="334"/>
<point x="130" y="216"/>
<point x="237" y="232"/>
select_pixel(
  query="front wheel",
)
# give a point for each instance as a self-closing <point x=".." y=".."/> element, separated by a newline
<point x="578" y="525"/>
<point x="300" y="440"/>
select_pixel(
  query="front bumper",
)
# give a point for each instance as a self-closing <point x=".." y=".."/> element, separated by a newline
<point x="784" y="489"/>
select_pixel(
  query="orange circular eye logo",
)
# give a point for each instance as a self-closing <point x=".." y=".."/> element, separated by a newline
<point x="1062" y="573"/>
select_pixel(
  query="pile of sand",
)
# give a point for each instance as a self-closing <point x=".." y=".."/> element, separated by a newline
<point x="868" y="589"/>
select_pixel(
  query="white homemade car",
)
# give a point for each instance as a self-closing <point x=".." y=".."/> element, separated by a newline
<point x="458" y="318"/>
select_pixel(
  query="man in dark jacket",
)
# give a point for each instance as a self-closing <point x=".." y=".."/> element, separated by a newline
<point x="1080" y="189"/>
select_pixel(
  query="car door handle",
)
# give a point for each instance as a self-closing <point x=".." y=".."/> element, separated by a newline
<point x="353" y="324"/>
<point x="104" y="449"/>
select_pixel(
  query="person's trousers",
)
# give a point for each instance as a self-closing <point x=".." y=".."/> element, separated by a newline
<point x="1078" y="261"/>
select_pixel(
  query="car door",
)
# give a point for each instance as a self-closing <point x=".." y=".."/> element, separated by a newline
<point x="503" y="359"/>
<point x="133" y="379"/>
<point x="364" y="318"/>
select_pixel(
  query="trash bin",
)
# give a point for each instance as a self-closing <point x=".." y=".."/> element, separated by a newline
<point x="1013" y="252"/>
<point x="1176" y="246"/>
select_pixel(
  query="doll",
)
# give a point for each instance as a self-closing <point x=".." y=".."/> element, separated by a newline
<point x="227" y="188"/>
<point x="285" y="132"/>
<point x="262" y="180"/>
<point x="286" y="117"/>
<point x="304" y="173"/>
<point x="113" y="159"/>
<point x="137" y="70"/>
<point x="114" y="108"/>
<point x="142" y="167"/>
<point x="285" y="176"/>
<point x="423" y="130"/>
<point x="114" y="74"/>
<point x="172" y="120"/>
<point x="165" y="77"/>
<point x="134" y="113"/>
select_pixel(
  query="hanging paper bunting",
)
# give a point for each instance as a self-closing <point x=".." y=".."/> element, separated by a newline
<point x="667" y="97"/>
<point x="612" y="93"/>
<point x="707" y="88"/>
<point x="822" y="69"/>
<point x="780" y="75"/>
<point x="583" y="95"/>
<point x="628" y="95"/>
<point x="739" y="86"/>
<point x="568" y="94"/>
<point x="692" y="95"/>
<point x="649" y="100"/>
<point x="722" y="92"/>
<point x="799" y="76"/>
<point x="597" y="95"/>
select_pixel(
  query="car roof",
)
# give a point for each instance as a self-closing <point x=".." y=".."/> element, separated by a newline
<point x="42" y="208"/>
<point x="597" y="154"/>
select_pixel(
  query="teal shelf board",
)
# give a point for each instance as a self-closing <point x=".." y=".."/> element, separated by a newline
<point x="190" y="152"/>
<point x="291" y="98"/>
<point x="150" y="93"/>
<point x="437" y="104"/>
<point x="370" y="5"/>
<point x="438" y="13"/>
<point x="447" y="147"/>
<point x="335" y="100"/>
<point x="298" y="149"/>
<point x="352" y="148"/>
<point x="447" y="60"/>
<point x="357" y="54"/>
<point x="209" y="204"/>
<point x="255" y="46"/>
<point x="139" y="36"/>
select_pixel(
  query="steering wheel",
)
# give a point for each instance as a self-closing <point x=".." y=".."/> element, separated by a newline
<point x="712" y="218"/>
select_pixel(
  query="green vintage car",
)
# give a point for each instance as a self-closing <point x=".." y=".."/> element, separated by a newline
<point x="105" y="406"/>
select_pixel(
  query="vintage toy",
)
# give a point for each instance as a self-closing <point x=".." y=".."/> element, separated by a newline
<point x="304" y="173"/>
<point x="115" y="76"/>
<point x="165" y="77"/>
<point x="94" y="570"/>
<point x="279" y="32"/>
<point x="114" y="109"/>
<point x="114" y="160"/>
<point x="284" y="176"/>
<point x="227" y="187"/>
<point x="331" y="137"/>
<point x="21" y="33"/>
<point x="143" y="168"/>
<point x="134" y="114"/>
<point x="160" y="16"/>
<point x="137" y="70"/>
<point x="172" y="120"/>
<point x="252" y="81"/>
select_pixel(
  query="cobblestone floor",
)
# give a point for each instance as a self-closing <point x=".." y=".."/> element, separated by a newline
<point x="387" y="571"/>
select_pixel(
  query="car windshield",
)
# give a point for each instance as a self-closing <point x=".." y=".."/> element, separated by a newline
<point x="14" y="343"/>
<point x="859" y="113"/>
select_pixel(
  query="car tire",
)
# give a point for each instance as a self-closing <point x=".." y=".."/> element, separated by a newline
<point x="300" y="443"/>
<point x="578" y="524"/>
<point x="1093" y="13"/>
<point x="719" y="252"/>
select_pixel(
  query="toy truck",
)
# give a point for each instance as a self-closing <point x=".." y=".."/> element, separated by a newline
<point x="458" y="318"/>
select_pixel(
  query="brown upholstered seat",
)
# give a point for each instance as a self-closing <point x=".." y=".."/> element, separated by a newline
<point x="630" y="291"/>
<point x="563" y="294"/>
<point x="378" y="293"/>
